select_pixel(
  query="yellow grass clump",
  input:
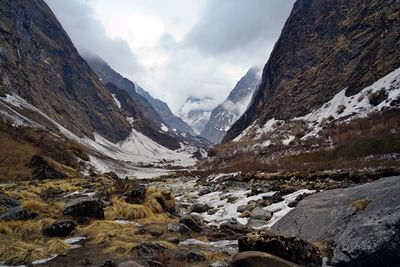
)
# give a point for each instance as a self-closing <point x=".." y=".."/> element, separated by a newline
<point x="156" y="202"/>
<point x="360" y="204"/>
<point x="16" y="252"/>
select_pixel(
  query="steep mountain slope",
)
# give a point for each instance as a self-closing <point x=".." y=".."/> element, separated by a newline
<point x="143" y="118"/>
<point x="54" y="107"/>
<point x="108" y="75"/>
<point x="40" y="64"/>
<point x="196" y="112"/>
<point x="225" y="114"/>
<point x="325" y="47"/>
<point x="173" y="121"/>
<point x="329" y="97"/>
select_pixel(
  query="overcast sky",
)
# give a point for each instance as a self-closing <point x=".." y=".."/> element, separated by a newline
<point x="176" y="48"/>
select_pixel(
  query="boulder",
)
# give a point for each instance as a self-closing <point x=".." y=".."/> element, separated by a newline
<point x="195" y="256"/>
<point x="44" y="168"/>
<point x="219" y="264"/>
<point x="14" y="214"/>
<point x="204" y="191"/>
<point x="59" y="229"/>
<point x="137" y="195"/>
<point x="84" y="207"/>
<point x="8" y="202"/>
<point x="367" y="236"/>
<point x="236" y="227"/>
<point x="259" y="259"/>
<point x="200" y="208"/>
<point x="149" y="250"/>
<point x="260" y="214"/>
<point x="109" y="263"/>
<point x="248" y="207"/>
<point x="191" y="223"/>
<point x="152" y="263"/>
<point x="292" y="248"/>
<point x="129" y="264"/>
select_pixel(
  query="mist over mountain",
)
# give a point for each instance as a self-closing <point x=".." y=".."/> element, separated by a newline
<point x="294" y="165"/>
<point x="226" y="113"/>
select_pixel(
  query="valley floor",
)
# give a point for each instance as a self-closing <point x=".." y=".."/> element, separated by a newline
<point x="183" y="219"/>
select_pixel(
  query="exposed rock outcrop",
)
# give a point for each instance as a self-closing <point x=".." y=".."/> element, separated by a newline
<point x="40" y="64"/>
<point x="362" y="221"/>
<point x="325" y="47"/>
<point x="226" y="114"/>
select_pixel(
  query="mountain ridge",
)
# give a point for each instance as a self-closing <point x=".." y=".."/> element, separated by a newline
<point x="334" y="38"/>
<point x="226" y="113"/>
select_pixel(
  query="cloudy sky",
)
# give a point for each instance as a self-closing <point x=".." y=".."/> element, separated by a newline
<point x="176" y="48"/>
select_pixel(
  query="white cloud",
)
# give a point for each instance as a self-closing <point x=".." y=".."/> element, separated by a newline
<point x="176" y="48"/>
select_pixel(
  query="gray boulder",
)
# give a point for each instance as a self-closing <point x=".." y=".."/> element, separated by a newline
<point x="14" y="214"/>
<point x="362" y="221"/>
<point x="260" y="214"/>
<point x="259" y="259"/>
<point x="84" y="207"/>
<point x="200" y="208"/>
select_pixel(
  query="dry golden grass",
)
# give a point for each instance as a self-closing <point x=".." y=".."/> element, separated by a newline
<point x="16" y="252"/>
<point x="360" y="204"/>
<point x="22" y="242"/>
<point x="113" y="237"/>
<point x="126" y="211"/>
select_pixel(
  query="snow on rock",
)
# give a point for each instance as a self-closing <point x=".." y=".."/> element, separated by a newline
<point x="340" y="108"/>
<point x="164" y="128"/>
<point x="136" y="149"/>
<point x="116" y="101"/>
<point x="227" y="210"/>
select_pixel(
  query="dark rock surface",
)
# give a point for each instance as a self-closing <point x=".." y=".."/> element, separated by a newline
<point x="292" y="248"/>
<point x="108" y="75"/>
<point x="41" y="64"/>
<point x="259" y="259"/>
<point x="325" y="47"/>
<point x="363" y="236"/>
<point x="61" y="229"/>
<point x="84" y="207"/>
<point x="13" y="214"/>
<point x="137" y="195"/>
<point x="191" y="223"/>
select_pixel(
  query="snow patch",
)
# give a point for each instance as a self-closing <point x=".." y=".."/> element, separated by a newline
<point x="116" y="101"/>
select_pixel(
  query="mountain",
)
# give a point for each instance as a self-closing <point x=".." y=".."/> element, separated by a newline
<point x="329" y="96"/>
<point x="40" y="64"/>
<point x="107" y="74"/>
<point x="196" y="112"/>
<point x="143" y="117"/>
<point x="225" y="114"/>
<point x="55" y="111"/>
<point x="323" y="49"/>
<point x="173" y="121"/>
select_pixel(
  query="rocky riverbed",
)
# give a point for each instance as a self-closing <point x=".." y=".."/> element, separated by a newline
<point x="194" y="220"/>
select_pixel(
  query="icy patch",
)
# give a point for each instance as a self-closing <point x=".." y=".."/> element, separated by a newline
<point x="74" y="240"/>
<point x="356" y="106"/>
<point x="287" y="140"/>
<point x="281" y="209"/>
<point x="42" y="261"/>
<point x="164" y="128"/>
<point x="116" y="101"/>
<point x="227" y="210"/>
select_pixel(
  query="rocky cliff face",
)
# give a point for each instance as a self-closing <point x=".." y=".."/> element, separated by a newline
<point x="225" y="114"/>
<point x="39" y="63"/>
<point x="108" y="75"/>
<point x="325" y="47"/>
